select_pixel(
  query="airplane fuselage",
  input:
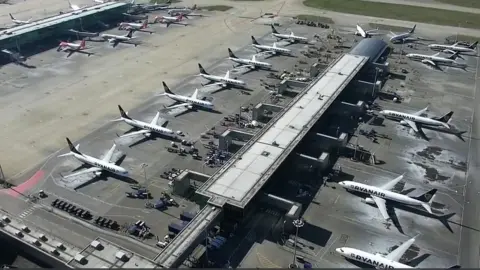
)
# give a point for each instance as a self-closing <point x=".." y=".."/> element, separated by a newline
<point x="441" y="47"/>
<point x="70" y="46"/>
<point x="154" y="128"/>
<point x="378" y="192"/>
<point x="223" y="80"/>
<point x="192" y="101"/>
<point x="250" y="62"/>
<point x="414" y="118"/>
<point x="400" y="37"/>
<point x="136" y="26"/>
<point x="101" y="164"/>
<point x="120" y="38"/>
<point x="291" y="37"/>
<point x="272" y="48"/>
<point x="377" y="261"/>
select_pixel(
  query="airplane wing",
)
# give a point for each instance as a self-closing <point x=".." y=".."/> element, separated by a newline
<point x="382" y="206"/>
<point x="177" y="106"/>
<point x="143" y="131"/>
<point x="361" y="31"/>
<point x="430" y="62"/>
<point x="399" y="251"/>
<point x="412" y="124"/>
<point x="227" y="76"/>
<point x="155" y="119"/>
<point x="422" y="111"/>
<point x="109" y="154"/>
<point x="195" y="94"/>
<point x="391" y="184"/>
<point x="89" y="170"/>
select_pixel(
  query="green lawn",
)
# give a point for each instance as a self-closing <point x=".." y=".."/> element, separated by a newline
<point x="463" y="3"/>
<point x="215" y="8"/>
<point x="314" y="18"/>
<point x="399" y="12"/>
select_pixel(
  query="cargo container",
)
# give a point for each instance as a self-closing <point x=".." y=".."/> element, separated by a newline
<point x="217" y="242"/>
<point x="159" y="205"/>
<point x="215" y="245"/>
<point x="223" y="239"/>
<point x="187" y="216"/>
<point x="175" y="227"/>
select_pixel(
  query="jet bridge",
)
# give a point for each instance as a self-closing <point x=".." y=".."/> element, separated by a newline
<point x="245" y="174"/>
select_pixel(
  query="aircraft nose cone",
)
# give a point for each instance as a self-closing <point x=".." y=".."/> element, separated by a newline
<point x="381" y="112"/>
<point x="339" y="250"/>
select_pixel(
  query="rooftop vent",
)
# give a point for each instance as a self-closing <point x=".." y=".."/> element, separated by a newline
<point x="265" y="153"/>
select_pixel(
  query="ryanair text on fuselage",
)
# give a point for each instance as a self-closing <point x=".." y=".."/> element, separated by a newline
<point x="371" y="262"/>
<point x="369" y="191"/>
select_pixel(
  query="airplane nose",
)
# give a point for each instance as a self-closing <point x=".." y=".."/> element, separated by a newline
<point x="339" y="250"/>
<point x="381" y="112"/>
<point x="341" y="184"/>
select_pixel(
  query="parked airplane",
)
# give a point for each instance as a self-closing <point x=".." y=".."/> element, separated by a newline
<point x="14" y="56"/>
<point x="250" y="63"/>
<point x="145" y="128"/>
<point x="183" y="11"/>
<point x="366" y="34"/>
<point x="170" y="20"/>
<point x="435" y="60"/>
<point x="270" y="49"/>
<point x="454" y="48"/>
<point x="115" y="39"/>
<point x="72" y="47"/>
<point x="156" y="6"/>
<point x="404" y="36"/>
<point x="379" y="195"/>
<point x="98" y="165"/>
<point x="83" y="34"/>
<point x="223" y="81"/>
<point x="291" y="37"/>
<point x="75" y="7"/>
<point x="135" y="26"/>
<point x="378" y="260"/>
<point x="187" y="102"/>
<point x="102" y="1"/>
<point x="19" y="22"/>
<point x="416" y="120"/>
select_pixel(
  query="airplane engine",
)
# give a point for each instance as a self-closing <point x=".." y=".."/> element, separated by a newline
<point x="356" y="33"/>
<point x="98" y="173"/>
<point x="369" y="201"/>
<point x="189" y="107"/>
<point x="403" y="123"/>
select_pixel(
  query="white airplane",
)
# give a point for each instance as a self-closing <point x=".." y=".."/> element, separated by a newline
<point x="133" y="26"/>
<point x="170" y="20"/>
<point x="250" y="63"/>
<point x="404" y="36"/>
<point x="75" y="7"/>
<point x="181" y="11"/>
<point x="366" y="34"/>
<point x="98" y="165"/>
<point x="145" y="128"/>
<point x="115" y="39"/>
<point x="435" y="60"/>
<point x="14" y="56"/>
<point x="270" y="49"/>
<point x="223" y="81"/>
<point x="291" y="37"/>
<point x="378" y="260"/>
<point x="72" y="47"/>
<point x="187" y="102"/>
<point x="454" y="48"/>
<point x="379" y="195"/>
<point x="157" y="6"/>
<point x="416" y="120"/>
<point x="19" y="22"/>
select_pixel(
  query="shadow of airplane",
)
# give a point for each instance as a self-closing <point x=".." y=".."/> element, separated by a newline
<point x="153" y="136"/>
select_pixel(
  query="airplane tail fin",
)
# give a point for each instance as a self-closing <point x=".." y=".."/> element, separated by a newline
<point x="445" y="118"/>
<point x="413" y="29"/>
<point x="130" y="34"/>
<point x="167" y="90"/>
<point x="82" y="44"/>
<point x="11" y="16"/>
<point x="273" y="29"/>
<point x="194" y="7"/>
<point x="73" y="149"/>
<point x="474" y="45"/>
<point x="123" y="113"/>
<point x="254" y="41"/>
<point x="427" y="197"/>
<point x="230" y="53"/>
<point x="453" y="56"/>
<point x="202" y="70"/>
<point x="145" y="24"/>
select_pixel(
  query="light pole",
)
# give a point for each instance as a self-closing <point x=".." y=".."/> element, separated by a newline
<point x="298" y="223"/>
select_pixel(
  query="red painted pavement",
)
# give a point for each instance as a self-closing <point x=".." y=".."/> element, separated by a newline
<point x="27" y="185"/>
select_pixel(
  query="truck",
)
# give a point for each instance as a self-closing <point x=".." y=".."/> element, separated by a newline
<point x="175" y="227"/>
<point x="187" y="216"/>
<point x="160" y="205"/>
